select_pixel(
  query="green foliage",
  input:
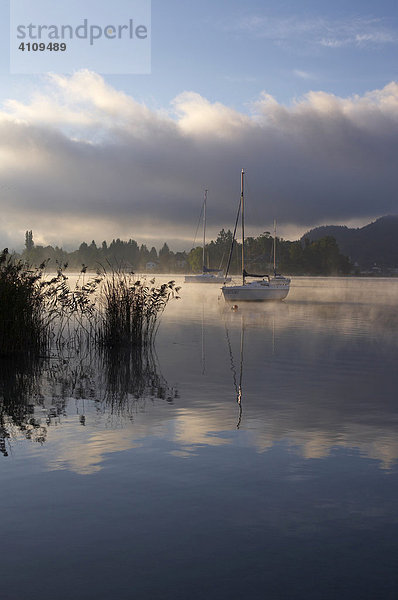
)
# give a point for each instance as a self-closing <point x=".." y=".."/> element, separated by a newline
<point x="195" y="260"/>
<point x="217" y="252"/>
<point x="320" y="257"/>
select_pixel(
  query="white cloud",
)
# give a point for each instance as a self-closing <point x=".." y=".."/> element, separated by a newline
<point x="199" y="117"/>
<point x="303" y="74"/>
<point x="323" y="31"/>
<point x="82" y="160"/>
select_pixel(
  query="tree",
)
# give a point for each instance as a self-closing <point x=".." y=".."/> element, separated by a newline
<point x="164" y="251"/>
<point x="165" y="257"/>
<point x="29" y="243"/>
<point x="218" y="251"/>
<point x="153" y="255"/>
<point x="195" y="259"/>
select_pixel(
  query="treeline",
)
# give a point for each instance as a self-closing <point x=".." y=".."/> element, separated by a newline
<point x="117" y="253"/>
<point x="318" y="257"/>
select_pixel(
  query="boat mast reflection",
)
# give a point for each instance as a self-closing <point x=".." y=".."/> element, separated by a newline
<point x="237" y="383"/>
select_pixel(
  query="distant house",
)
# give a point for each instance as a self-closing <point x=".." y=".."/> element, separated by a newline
<point x="376" y="269"/>
<point x="151" y="266"/>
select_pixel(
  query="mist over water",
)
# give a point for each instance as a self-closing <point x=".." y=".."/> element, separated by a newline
<point x="251" y="454"/>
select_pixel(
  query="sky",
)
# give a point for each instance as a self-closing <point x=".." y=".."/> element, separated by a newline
<point x="302" y="95"/>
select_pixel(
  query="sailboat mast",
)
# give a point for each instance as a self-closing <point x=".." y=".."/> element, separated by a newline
<point x="243" y="224"/>
<point x="204" y="229"/>
<point x="274" y="247"/>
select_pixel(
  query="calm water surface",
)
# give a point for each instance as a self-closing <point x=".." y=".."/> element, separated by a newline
<point x="254" y="455"/>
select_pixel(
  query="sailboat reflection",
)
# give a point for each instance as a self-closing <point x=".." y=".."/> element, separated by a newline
<point x="247" y="318"/>
<point x="237" y="382"/>
<point x="203" y="358"/>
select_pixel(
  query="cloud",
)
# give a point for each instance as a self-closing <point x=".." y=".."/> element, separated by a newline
<point x="318" y="30"/>
<point x="302" y="74"/>
<point x="82" y="160"/>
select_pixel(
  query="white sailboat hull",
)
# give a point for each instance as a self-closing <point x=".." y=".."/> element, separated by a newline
<point x="206" y="278"/>
<point x="257" y="291"/>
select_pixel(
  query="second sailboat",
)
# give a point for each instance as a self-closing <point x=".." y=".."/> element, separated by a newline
<point x="207" y="275"/>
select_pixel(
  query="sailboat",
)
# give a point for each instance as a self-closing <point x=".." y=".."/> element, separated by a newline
<point x="268" y="288"/>
<point x="207" y="275"/>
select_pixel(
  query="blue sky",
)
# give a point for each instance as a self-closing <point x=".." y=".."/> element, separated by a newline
<point x="238" y="61"/>
<point x="230" y="51"/>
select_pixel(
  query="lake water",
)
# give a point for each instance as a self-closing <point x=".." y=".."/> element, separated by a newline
<point x="253" y="455"/>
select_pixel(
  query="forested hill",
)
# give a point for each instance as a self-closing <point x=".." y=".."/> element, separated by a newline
<point x="376" y="243"/>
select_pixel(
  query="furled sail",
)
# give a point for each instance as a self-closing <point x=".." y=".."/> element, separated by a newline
<point x="246" y="274"/>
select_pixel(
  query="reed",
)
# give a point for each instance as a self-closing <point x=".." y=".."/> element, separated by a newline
<point x="74" y="310"/>
<point x="23" y="318"/>
<point x="111" y="309"/>
<point x="130" y="309"/>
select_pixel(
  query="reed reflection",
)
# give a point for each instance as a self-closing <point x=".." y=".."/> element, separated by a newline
<point x="131" y="374"/>
<point x="35" y="393"/>
<point x="19" y="392"/>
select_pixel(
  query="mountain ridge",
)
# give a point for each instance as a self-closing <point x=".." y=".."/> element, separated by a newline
<point x="373" y="244"/>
